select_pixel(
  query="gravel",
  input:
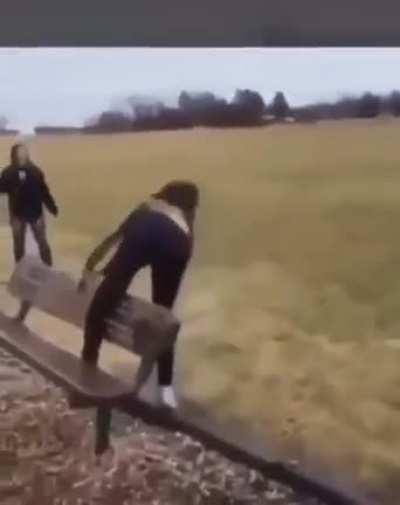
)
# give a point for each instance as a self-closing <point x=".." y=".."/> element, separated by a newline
<point x="47" y="457"/>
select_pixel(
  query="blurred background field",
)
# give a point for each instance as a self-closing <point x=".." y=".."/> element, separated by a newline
<point x="291" y="306"/>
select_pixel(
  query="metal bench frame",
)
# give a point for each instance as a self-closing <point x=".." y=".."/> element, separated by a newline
<point x="87" y="386"/>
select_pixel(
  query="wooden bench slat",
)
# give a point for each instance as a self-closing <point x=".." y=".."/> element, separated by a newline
<point x="91" y="384"/>
<point x="137" y="325"/>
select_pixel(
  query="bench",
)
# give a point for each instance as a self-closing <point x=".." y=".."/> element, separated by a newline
<point x="91" y="387"/>
<point x="138" y="326"/>
<point x="94" y="387"/>
<point x="86" y="386"/>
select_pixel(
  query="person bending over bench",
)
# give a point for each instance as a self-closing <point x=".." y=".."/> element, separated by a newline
<point x="159" y="234"/>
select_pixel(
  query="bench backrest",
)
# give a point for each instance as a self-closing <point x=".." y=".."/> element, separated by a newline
<point x="138" y="325"/>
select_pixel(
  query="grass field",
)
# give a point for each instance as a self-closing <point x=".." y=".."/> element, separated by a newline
<point x="292" y="304"/>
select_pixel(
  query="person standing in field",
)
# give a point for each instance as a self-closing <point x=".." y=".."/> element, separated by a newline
<point x="27" y="191"/>
<point x="159" y="234"/>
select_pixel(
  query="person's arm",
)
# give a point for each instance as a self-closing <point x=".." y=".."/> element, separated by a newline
<point x="102" y="249"/>
<point x="107" y="244"/>
<point x="5" y="182"/>
<point x="47" y="197"/>
<point x="111" y="241"/>
<point x="97" y="255"/>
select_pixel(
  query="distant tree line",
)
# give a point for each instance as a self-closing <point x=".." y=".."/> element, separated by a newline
<point x="366" y="106"/>
<point x="246" y="109"/>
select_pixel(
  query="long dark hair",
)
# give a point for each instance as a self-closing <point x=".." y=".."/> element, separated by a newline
<point x="182" y="194"/>
<point x="14" y="153"/>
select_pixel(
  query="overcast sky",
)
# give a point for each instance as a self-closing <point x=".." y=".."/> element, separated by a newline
<point x="67" y="86"/>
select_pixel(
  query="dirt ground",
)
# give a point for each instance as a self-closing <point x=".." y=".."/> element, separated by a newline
<point x="46" y="453"/>
<point x="291" y="305"/>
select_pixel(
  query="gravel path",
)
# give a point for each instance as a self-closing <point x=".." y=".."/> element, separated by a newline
<point x="47" y="457"/>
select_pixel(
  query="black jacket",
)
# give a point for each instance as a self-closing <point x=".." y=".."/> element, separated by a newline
<point x="149" y="238"/>
<point x="27" y="192"/>
<point x="146" y="238"/>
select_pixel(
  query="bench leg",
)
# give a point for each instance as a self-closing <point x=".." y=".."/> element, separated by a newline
<point x="103" y="426"/>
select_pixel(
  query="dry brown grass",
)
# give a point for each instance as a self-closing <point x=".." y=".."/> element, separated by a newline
<point x="292" y="305"/>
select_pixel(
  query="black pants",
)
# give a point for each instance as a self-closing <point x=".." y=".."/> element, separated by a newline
<point x="38" y="228"/>
<point x="165" y="283"/>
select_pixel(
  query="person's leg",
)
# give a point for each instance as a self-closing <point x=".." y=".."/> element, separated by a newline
<point x="105" y="301"/>
<point x="93" y="335"/>
<point x="18" y="228"/>
<point x="39" y="233"/>
<point x="166" y="367"/>
<point x="165" y="283"/>
<point x="24" y="309"/>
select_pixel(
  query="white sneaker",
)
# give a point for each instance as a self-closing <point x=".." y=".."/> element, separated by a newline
<point x="168" y="398"/>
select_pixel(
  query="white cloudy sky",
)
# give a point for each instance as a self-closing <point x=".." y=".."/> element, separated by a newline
<point x="66" y="86"/>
